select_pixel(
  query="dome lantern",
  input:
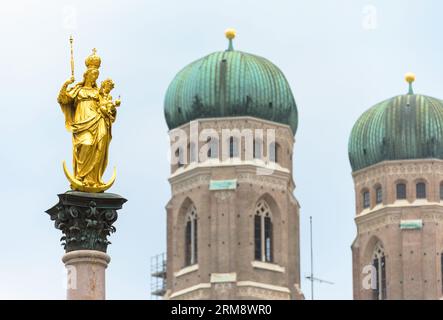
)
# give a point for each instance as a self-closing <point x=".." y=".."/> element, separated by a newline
<point x="410" y="78"/>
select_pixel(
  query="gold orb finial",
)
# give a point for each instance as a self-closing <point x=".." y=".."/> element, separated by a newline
<point x="410" y="77"/>
<point x="230" y="33"/>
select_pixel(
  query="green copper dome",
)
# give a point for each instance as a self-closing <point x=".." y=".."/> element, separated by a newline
<point x="404" y="127"/>
<point x="230" y="83"/>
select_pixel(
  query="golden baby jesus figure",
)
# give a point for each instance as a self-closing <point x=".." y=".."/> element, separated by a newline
<point x="89" y="114"/>
<point x="107" y="105"/>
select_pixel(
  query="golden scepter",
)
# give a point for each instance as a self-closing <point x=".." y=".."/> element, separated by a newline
<point x="71" y="40"/>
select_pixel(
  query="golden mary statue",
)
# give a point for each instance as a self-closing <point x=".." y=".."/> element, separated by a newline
<point x="89" y="113"/>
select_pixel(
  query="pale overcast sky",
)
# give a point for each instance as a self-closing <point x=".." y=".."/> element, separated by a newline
<point x="337" y="62"/>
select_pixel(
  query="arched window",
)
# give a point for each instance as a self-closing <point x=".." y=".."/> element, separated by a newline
<point x="401" y="191"/>
<point x="191" y="237"/>
<point x="366" y="199"/>
<point x="379" y="264"/>
<point x="233" y="147"/>
<point x="213" y="147"/>
<point x="441" y="197"/>
<point x="263" y="233"/>
<point x="420" y="190"/>
<point x="378" y="195"/>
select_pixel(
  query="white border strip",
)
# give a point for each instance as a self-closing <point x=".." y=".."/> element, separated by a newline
<point x="190" y="289"/>
<point x="239" y="284"/>
<point x="267" y="266"/>
<point x="186" y="270"/>
<point x="262" y="286"/>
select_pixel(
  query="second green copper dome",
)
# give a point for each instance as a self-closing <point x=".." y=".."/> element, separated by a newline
<point x="408" y="126"/>
<point x="230" y="83"/>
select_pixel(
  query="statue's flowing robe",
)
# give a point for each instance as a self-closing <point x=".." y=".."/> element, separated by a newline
<point x="91" y="133"/>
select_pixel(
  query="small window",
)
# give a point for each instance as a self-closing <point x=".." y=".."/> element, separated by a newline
<point x="378" y="195"/>
<point x="179" y="156"/>
<point x="366" y="199"/>
<point x="441" y="193"/>
<point x="192" y="153"/>
<point x="401" y="191"/>
<point x="420" y="189"/>
<point x="273" y="152"/>
<point x="210" y="153"/>
<point x="212" y="147"/>
<point x="233" y="147"/>
<point x="257" y="149"/>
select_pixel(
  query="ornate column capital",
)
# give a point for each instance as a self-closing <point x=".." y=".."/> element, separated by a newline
<point x="86" y="219"/>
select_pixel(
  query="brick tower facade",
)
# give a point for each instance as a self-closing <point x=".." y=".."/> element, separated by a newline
<point x="400" y="230"/>
<point x="233" y="221"/>
<point x="396" y="152"/>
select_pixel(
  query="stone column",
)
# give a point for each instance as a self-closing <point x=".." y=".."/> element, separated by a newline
<point x="86" y="220"/>
<point x="86" y="274"/>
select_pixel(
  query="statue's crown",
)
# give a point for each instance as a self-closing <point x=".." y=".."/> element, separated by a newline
<point x="93" y="61"/>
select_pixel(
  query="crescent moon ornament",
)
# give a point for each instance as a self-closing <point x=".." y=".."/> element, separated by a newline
<point x="79" y="186"/>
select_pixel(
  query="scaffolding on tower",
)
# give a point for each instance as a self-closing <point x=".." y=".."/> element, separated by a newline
<point x="158" y="276"/>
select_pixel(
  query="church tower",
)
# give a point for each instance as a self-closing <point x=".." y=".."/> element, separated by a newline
<point x="396" y="154"/>
<point x="232" y="220"/>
